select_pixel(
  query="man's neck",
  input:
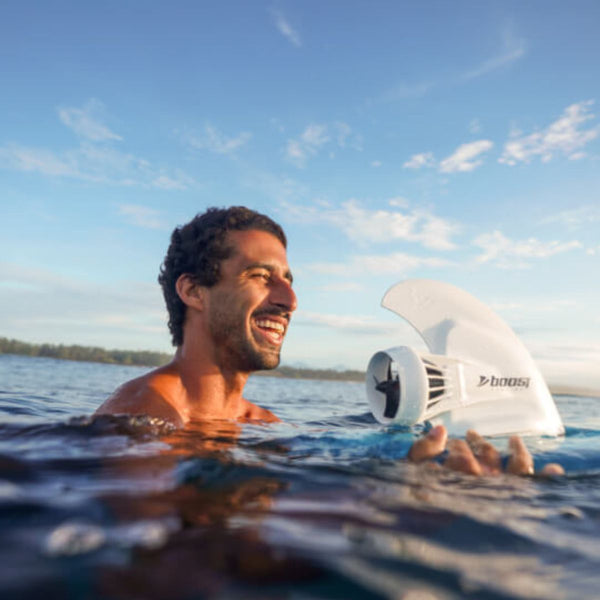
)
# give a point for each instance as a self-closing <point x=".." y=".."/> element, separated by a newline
<point x="208" y="391"/>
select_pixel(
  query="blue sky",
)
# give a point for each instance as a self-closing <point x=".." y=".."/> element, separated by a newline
<point x="457" y="141"/>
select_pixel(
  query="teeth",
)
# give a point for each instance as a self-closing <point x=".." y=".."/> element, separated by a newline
<point x="271" y="325"/>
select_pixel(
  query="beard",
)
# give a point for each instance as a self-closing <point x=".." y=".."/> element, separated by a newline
<point x="236" y="347"/>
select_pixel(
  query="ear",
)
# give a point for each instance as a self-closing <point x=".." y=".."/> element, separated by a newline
<point x="190" y="293"/>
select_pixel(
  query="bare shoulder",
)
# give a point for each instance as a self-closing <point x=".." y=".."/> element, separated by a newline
<point x="257" y="413"/>
<point x="150" y="394"/>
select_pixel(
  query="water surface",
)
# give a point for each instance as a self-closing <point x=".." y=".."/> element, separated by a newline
<point x="321" y="506"/>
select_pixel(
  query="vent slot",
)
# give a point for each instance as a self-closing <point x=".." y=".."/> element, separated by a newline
<point x="437" y="382"/>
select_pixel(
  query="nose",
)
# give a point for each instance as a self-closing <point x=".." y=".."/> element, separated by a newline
<point x="283" y="295"/>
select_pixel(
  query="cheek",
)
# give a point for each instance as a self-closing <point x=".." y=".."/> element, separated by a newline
<point x="253" y="299"/>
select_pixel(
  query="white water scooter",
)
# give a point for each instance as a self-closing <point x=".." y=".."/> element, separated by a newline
<point x="478" y="374"/>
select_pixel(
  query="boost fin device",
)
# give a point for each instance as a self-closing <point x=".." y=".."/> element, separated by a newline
<point x="478" y="374"/>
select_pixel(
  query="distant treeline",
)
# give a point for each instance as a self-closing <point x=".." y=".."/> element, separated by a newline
<point x="144" y="358"/>
<point x="85" y="353"/>
<point x="327" y="374"/>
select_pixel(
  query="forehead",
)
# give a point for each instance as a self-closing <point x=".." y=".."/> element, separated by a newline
<point x="256" y="246"/>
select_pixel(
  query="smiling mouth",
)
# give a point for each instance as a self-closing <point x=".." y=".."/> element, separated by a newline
<point x="272" y="330"/>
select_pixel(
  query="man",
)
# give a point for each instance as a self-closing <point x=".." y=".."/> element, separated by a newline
<point x="228" y="289"/>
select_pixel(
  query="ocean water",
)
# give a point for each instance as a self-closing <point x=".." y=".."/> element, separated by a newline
<point x="321" y="506"/>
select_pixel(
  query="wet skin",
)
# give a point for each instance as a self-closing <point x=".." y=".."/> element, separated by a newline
<point x="476" y="456"/>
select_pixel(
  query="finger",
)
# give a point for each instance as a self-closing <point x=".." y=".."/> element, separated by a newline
<point x="461" y="458"/>
<point x="551" y="469"/>
<point x="485" y="453"/>
<point x="429" y="446"/>
<point x="519" y="461"/>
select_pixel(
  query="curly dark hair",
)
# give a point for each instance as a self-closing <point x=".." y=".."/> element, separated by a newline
<point x="198" y="248"/>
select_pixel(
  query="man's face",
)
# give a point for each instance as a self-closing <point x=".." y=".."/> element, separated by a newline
<point x="251" y="305"/>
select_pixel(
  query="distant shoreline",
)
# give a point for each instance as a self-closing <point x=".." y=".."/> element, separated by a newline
<point x="567" y="390"/>
<point x="145" y="358"/>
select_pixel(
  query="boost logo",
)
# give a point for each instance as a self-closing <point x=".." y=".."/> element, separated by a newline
<point x="509" y="382"/>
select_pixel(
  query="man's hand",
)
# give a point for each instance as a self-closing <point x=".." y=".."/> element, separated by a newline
<point x="475" y="456"/>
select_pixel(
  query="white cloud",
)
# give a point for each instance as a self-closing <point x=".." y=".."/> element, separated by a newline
<point x="98" y="164"/>
<point x="308" y="144"/>
<point x="215" y="141"/>
<point x="564" y="136"/>
<point x="85" y="122"/>
<point x="465" y="157"/>
<point x="398" y="202"/>
<point x="350" y="323"/>
<point x="418" y="161"/>
<point x="576" y="217"/>
<point x="93" y="162"/>
<point x="166" y="182"/>
<point x="364" y="226"/>
<point x="316" y="136"/>
<point x="398" y="264"/>
<point x="284" y="27"/>
<point x="142" y="216"/>
<point x="507" y="253"/>
<point x="513" y="49"/>
<point x="20" y="158"/>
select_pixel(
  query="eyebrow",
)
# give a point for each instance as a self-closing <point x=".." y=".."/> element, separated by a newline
<point x="271" y="268"/>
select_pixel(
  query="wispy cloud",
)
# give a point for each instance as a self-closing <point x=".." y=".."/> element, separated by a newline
<point x="397" y="264"/>
<point x="466" y="157"/>
<point x="513" y="49"/>
<point x="46" y="162"/>
<point x="564" y="136"/>
<point x="92" y="160"/>
<point x="98" y="164"/>
<point x="365" y="226"/>
<point x="418" y="161"/>
<point x="575" y="218"/>
<point x="506" y="253"/>
<point x="285" y="28"/>
<point x="309" y="142"/>
<point x="142" y="216"/>
<point x="217" y="142"/>
<point x="349" y="323"/>
<point x="318" y="135"/>
<point x="86" y="121"/>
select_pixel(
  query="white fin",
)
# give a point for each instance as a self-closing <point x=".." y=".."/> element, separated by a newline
<point x="492" y="383"/>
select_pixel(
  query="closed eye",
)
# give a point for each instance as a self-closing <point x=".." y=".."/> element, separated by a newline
<point x="263" y="274"/>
